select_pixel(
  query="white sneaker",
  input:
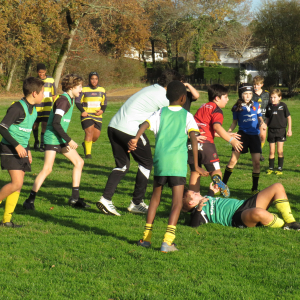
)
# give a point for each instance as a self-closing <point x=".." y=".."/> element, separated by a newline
<point x="141" y="208"/>
<point x="107" y="207"/>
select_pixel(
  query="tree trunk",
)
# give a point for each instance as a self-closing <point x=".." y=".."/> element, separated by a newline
<point x="153" y="52"/>
<point x="28" y="67"/>
<point x="169" y="50"/>
<point x="144" y="59"/>
<point x="187" y="64"/>
<point x="65" y="48"/>
<point x="1" y="68"/>
<point x="176" y="67"/>
<point x="10" y="75"/>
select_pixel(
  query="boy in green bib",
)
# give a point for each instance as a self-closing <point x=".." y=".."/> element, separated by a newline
<point x="57" y="141"/>
<point x="171" y="126"/>
<point x="15" y="129"/>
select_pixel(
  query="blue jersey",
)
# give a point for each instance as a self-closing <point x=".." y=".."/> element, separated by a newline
<point x="248" y="118"/>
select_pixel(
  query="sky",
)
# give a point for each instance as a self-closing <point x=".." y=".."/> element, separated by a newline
<point x="255" y="4"/>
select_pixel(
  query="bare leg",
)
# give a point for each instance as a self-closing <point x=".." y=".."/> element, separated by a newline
<point x="272" y="150"/>
<point x="154" y="202"/>
<point x="89" y="133"/>
<point x="280" y="149"/>
<point x="194" y="183"/>
<point x="234" y="159"/>
<point x="252" y="216"/>
<point x="47" y="169"/>
<point x="256" y="162"/>
<point x="177" y="192"/>
<point x="17" y="178"/>
<point x="96" y="134"/>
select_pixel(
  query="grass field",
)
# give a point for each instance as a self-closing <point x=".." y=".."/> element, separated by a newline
<point x="67" y="253"/>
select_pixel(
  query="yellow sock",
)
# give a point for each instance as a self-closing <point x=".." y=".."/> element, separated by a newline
<point x="284" y="208"/>
<point x="170" y="235"/>
<point x="262" y="145"/>
<point x="88" y="147"/>
<point x="148" y="232"/>
<point x="10" y="205"/>
<point x="276" y="223"/>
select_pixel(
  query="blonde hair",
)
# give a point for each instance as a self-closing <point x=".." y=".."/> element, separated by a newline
<point x="276" y="91"/>
<point x="70" y="81"/>
<point x="258" y="79"/>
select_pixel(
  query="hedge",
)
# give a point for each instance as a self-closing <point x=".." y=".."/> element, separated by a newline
<point x="227" y="76"/>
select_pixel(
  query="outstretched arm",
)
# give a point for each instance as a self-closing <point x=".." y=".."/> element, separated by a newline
<point x="132" y="144"/>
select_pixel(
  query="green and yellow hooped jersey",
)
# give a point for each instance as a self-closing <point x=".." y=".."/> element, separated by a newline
<point x="21" y="132"/>
<point x="51" y="136"/>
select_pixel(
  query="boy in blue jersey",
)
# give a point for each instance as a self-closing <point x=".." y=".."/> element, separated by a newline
<point x="15" y="129"/>
<point x="247" y="114"/>
<point x="171" y="126"/>
<point x="241" y="213"/>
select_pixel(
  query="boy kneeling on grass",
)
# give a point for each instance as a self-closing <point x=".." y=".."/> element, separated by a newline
<point x="171" y="126"/>
<point x="15" y="129"/>
<point x="57" y="140"/>
<point x="240" y="213"/>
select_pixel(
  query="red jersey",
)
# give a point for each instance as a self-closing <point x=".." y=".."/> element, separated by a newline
<point x="206" y="116"/>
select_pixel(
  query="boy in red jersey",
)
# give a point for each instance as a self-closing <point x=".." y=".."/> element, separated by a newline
<point x="209" y="119"/>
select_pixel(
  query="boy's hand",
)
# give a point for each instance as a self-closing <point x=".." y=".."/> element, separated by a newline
<point x="29" y="156"/>
<point x="73" y="145"/>
<point x="214" y="187"/>
<point x="201" y="171"/>
<point x="132" y="144"/>
<point x="289" y="133"/>
<point x="202" y="203"/>
<point x="99" y="112"/>
<point x="21" y="151"/>
<point x="235" y="135"/>
<point x="263" y="126"/>
<point x="237" y="145"/>
<point x="201" y="137"/>
<point x="84" y="114"/>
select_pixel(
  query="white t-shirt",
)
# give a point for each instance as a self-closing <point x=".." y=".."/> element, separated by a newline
<point x="154" y="120"/>
<point x="138" y="108"/>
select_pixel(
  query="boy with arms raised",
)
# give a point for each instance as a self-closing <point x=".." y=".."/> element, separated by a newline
<point x="44" y="108"/>
<point x="171" y="125"/>
<point x="209" y="119"/>
<point x="15" y="129"/>
<point x="57" y="140"/>
<point x="241" y="213"/>
<point x="262" y="97"/>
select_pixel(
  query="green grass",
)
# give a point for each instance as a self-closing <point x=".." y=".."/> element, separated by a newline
<point x="66" y="253"/>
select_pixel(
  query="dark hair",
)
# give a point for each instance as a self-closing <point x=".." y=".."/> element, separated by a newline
<point x="277" y="92"/>
<point x="92" y="74"/>
<point x="32" y="84"/>
<point x="216" y="90"/>
<point x="40" y="67"/>
<point x="167" y="76"/>
<point x="175" y="90"/>
<point x="244" y="87"/>
<point x="70" y="81"/>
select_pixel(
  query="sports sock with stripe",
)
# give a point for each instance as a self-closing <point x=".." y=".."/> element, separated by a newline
<point x="227" y="174"/>
<point x="88" y="147"/>
<point x="276" y="222"/>
<point x="255" y="178"/>
<point x="283" y="206"/>
<point x="10" y="205"/>
<point x="280" y="163"/>
<point x="170" y="235"/>
<point x="271" y="163"/>
<point x="148" y="232"/>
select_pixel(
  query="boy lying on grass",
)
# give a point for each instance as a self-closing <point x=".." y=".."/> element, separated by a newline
<point x="241" y="213"/>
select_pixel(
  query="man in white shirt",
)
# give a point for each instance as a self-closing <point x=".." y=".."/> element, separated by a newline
<point x="121" y="129"/>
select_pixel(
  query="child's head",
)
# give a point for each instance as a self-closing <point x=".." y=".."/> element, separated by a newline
<point x="93" y="79"/>
<point x="219" y="94"/>
<point x="246" y="92"/>
<point x="258" y="82"/>
<point x="176" y="92"/>
<point x="275" y="96"/>
<point x="190" y="200"/>
<point x="41" y="70"/>
<point x="32" y="84"/>
<point x="167" y="76"/>
<point x="72" y="82"/>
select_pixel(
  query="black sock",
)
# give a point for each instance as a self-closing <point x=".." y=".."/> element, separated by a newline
<point x="31" y="197"/>
<point x="280" y="163"/>
<point x="227" y="174"/>
<point x="271" y="163"/>
<point x="75" y="192"/>
<point x="42" y="139"/>
<point x="255" y="178"/>
<point x="36" y="135"/>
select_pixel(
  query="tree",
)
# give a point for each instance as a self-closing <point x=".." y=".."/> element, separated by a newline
<point x="278" y="27"/>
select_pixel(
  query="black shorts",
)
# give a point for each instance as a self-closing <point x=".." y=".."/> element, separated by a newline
<point x="276" y="135"/>
<point x="10" y="160"/>
<point x="171" y="180"/>
<point x="237" y="217"/>
<point x="56" y="148"/>
<point x="86" y="123"/>
<point x="207" y="155"/>
<point x="251" y="142"/>
<point x="41" y="120"/>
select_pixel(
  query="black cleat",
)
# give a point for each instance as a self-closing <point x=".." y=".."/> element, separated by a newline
<point x="292" y="226"/>
<point x="29" y="205"/>
<point x="10" y="225"/>
<point x="36" y="146"/>
<point x="89" y="156"/>
<point x="78" y="203"/>
<point x="42" y="148"/>
<point x="262" y="158"/>
<point x="83" y="145"/>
